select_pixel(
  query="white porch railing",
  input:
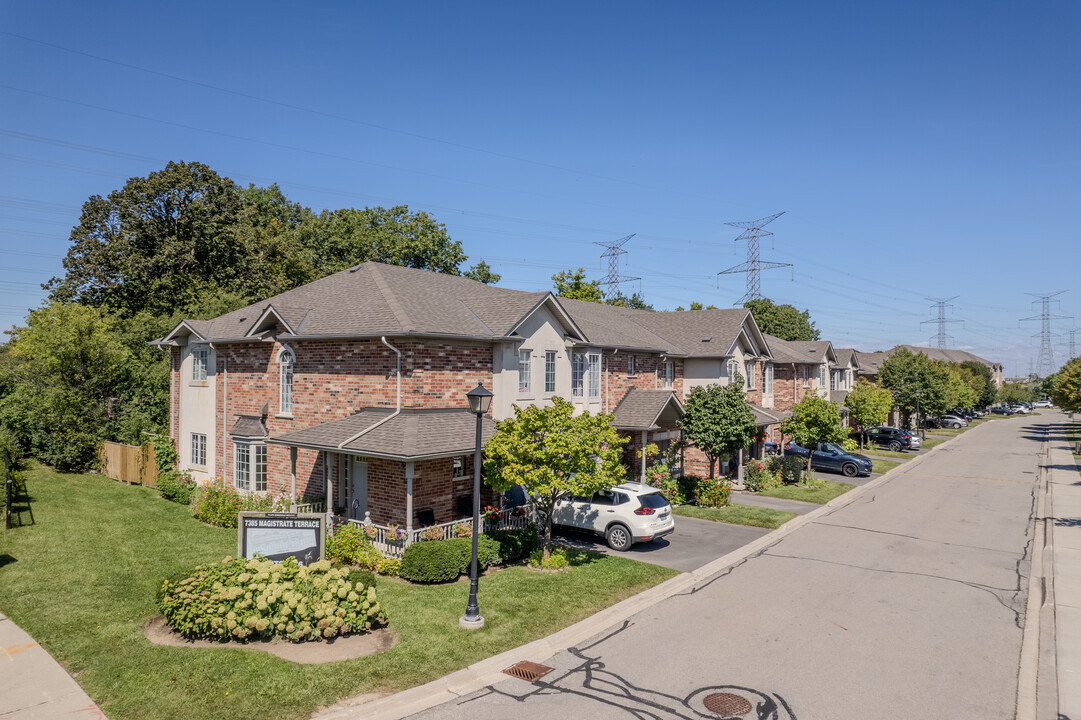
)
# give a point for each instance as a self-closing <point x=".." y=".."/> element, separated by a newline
<point x="392" y="540"/>
<point x="315" y="506"/>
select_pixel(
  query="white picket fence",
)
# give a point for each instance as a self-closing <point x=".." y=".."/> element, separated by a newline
<point x="392" y="540"/>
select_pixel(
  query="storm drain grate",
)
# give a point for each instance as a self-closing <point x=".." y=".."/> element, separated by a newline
<point x="727" y="705"/>
<point x="528" y="671"/>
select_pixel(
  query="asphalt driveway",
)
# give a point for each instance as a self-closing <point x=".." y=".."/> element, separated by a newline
<point x="693" y="544"/>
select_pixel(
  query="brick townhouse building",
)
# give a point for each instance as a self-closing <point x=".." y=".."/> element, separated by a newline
<point x="353" y="387"/>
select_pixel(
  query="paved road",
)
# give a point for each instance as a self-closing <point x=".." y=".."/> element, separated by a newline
<point x="906" y="603"/>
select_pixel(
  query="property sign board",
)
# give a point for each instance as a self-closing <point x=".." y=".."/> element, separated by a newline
<point x="277" y="536"/>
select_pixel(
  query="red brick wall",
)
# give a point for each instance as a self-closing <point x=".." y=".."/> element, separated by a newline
<point x="333" y="379"/>
<point x="646" y="366"/>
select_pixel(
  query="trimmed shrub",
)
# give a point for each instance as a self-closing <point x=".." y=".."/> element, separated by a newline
<point x="237" y="599"/>
<point x="791" y="469"/>
<point x="391" y="567"/>
<point x="435" y="561"/>
<point x="364" y="577"/>
<point x="513" y="545"/>
<point x="757" y="477"/>
<point x="176" y="486"/>
<point x="557" y="559"/>
<point x="714" y="492"/>
<point x="348" y="544"/>
<point x="851" y="445"/>
<point x="688" y="486"/>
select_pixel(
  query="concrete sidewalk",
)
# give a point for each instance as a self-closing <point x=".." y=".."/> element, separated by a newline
<point x="1064" y="511"/>
<point x="33" y="686"/>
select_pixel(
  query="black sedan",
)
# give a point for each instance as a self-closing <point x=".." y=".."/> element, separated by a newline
<point x="833" y="458"/>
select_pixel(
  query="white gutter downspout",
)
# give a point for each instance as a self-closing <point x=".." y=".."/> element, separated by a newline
<point x="398" y="403"/>
<point x="224" y="410"/>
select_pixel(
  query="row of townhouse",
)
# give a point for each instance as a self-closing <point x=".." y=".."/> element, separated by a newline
<point x="352" y="388"/>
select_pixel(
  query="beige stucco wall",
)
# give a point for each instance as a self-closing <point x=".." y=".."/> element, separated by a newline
<point x="540" y="333"/>
<point x="197" y="413"/>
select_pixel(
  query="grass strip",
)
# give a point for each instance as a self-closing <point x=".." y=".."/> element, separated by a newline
<point x="82" y="581"/>
<point x="876" y="452"/>
<point x="883" y="466"/>
<point x="736" y="514"/>
<point x="821" y="492"/>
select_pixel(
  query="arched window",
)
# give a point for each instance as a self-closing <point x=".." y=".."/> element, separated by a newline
<point x="286" y="360"/>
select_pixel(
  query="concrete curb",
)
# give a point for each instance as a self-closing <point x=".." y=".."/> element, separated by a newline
<point x="1029" y="659"/>
<point x="490" y="670"/>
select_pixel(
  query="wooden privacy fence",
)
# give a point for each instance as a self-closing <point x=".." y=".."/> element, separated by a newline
<point x="131" y="464"/>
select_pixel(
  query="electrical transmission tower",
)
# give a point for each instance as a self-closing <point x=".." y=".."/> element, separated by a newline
<point x="941" y="338"/>
<point x="1072" y="343"/>
<point x="1045" y="363"/>
<point x="752" y="233"/>
<point x="614" y="279"/>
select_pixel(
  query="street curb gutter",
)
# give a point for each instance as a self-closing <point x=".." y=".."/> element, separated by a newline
<point x="1029" y="661"/>
<point x="490" y="670"/>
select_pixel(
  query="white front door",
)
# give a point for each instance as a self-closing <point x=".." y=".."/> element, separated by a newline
<point x="358" y="488"/>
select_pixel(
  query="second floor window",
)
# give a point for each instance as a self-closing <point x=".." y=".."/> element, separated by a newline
<point x="594" y="374"/>
<point x="287" y="384"/>
<point x="630" y="365"/>
<point x="767" y="380"/>
<point x="523" y="371"/>
<point x="822" y="375"/>
<point x="459" y="466"/>
<point x="750" y="374"/>
<point x="668" y="375"/>
<point x="198" y="449"/>
<point x="550" y="371"/>
<point x="578" y="374"/>
<point x="199" y="364"/>
<point x="833" y="381"/>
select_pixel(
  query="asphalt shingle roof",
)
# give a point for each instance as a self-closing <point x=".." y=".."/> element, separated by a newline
<point x="641" y="409"/>
<point x="413" y="433"/>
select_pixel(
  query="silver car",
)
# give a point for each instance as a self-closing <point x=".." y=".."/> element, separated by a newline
<point x="626" y="514"/>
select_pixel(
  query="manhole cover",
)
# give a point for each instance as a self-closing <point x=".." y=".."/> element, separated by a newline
<point x="727" y="705"/>
<point x="531" y="671"/>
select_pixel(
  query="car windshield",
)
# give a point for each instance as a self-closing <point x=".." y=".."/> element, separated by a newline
<point x="830" y="447"/>
<point x="652" y="500"/>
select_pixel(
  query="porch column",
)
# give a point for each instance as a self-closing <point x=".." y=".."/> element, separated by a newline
<point x="409" y="499"/>
<point x="329" y="486"/>
<point x="292" y="479"/>
<point x="644" y="433"/>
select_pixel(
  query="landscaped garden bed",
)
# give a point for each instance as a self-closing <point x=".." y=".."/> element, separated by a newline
<point x="83" y="581"/>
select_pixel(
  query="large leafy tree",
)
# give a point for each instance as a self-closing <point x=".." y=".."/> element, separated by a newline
<point x="482" y="273"/>
<point x="572" y="284"/>
<point x="868" y="405"/>
<point x="1013" y="393"/>
<point x="916" y="383"/>
<point x="156" y="243"/>
<point x="553" y="453"/>
<point x="783" y="321"/>
<point x="979" y="377"/>
<point x="70" y="372"/>
<point x="814" y="420"/>
<point x="1067" y="389"/>
<point x="718" y="420"/>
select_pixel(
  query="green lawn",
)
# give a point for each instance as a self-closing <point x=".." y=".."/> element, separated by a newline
<point x="822" y="492"/>
<point x="738" y="515"/>
<point x="82" y="581"/>
<point x="883" y="466"/>
<point x="879" y="452"/>
<point x="930" y="442"/>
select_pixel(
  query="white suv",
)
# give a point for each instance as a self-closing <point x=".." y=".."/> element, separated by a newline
<point x="626" y="514"/>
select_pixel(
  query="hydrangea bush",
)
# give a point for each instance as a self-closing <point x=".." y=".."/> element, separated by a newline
<point x="238" y="599"/>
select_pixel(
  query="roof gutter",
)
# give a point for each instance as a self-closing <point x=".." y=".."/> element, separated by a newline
<point x="398" y="403"/>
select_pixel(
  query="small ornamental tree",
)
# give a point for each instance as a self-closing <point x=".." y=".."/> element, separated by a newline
<point x="1013" y="393"/>
<point x="868" y="405"/>
<point x="1067" y="391"/>
<point x="814" y="420"/>
<point x="553" y="453"/>
<point x="718" y="420"/>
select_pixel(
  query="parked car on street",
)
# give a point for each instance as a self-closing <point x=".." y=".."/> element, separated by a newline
<point x="1001" y="410"/>
<point x="952" y="421"/>
<point x="626" y="514"/>
<point x="1045" y="403"/>
<point x="895" y="439"/>
<point x="834" y="458"/>
<point x="1021" y="408"/>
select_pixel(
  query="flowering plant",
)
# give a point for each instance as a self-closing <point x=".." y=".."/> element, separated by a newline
<point x="394" y="533"/>
<point x="518" y="511"/>
<point x="371" y="531"/>
<point x="491" y="515"/>
<point x="463" y="529"/>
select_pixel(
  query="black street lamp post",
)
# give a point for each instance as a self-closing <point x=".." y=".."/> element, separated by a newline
<point x="479" y="402"/>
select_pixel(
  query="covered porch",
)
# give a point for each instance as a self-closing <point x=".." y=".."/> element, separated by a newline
<point x="647" y="416"/>
<point x="395" y="471"/>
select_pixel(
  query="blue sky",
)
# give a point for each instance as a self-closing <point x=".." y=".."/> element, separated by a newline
<point x="919" y="150"/>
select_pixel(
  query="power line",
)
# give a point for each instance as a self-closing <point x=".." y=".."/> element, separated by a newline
<point x="754" y="266"/>
<point x="1045" y="365"/>
<point x="613" y="250"/>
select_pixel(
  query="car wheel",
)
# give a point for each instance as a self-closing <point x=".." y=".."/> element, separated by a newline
<point x="618" y="537"/>
<point x="956" y="426"/>
<point x="849" y="470"/>
<point x="895" y="446"/>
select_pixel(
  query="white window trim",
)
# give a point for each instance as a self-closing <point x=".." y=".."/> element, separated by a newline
<point x="287" y="360"/>
<point x="458" y="466"/>
<point x="550" y="364"/>
<point x="767" y="381"/>
<point x="200" y="358"/>
<point x="593" y="374"/>
<point x="526" y="387"/>
<point x="668" y="375"/>
<point x="749" y="366"/>
<point x="248" y="454"/>
<point x="578" y="375"/>
<point x="630" y="366"/>
<point x="195" y="459"/>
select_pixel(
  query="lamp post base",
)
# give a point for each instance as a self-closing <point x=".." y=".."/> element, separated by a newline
<point x="471" y="623"/>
